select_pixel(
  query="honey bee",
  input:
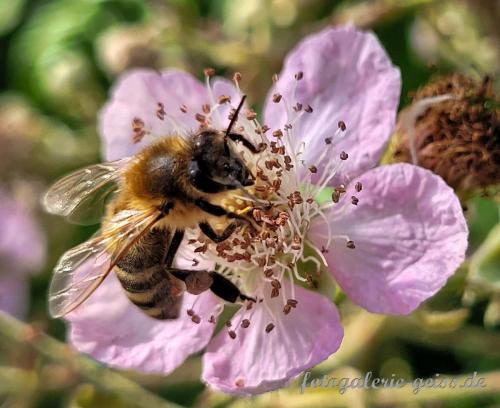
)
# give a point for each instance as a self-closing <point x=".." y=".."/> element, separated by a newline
<point x="169" y="186"/>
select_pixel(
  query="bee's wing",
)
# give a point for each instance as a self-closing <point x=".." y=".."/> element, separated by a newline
<point x="82" y="269"/>
<point x="81" y="196"/>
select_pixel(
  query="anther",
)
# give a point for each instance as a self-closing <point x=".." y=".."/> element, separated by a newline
<point x="200" y="118"/>
<point x="183" y="108"/>
<point x="358" y="186"/>
<point x="276" y="97"/>
<point x="342" y="126"/>
<point x="212" y="319"/>
<point x="313" y="169"/>
<point x="160" y="112"/>
<point x="190" y="312"/>
<point x="209" y="72"/>
<point x="237" y="77"/>
<point x="205" y="108"/>
<point x="292" y="302"/>
<point x="308" y="109"/>
<point x="228" y="323"/>
<point x="336" y="196"/>
<point x="328" y="140"/>
<point x="196" y="319"/>
<point x="310" y="281"/>
<point x="297" y="107"/>
<point x="287" y="309"/>
<point x="251" y="115"/>
<point x="276" y="284"/>
<point x="299" y="75"/>
<point x="261" y="147"/>
<point x="278" y="133"/>
<point x="275" y="78"/>
<point x="245" y="323"/>
<point x="275" y="292"/>
<point x="232" y="334"/>
<point x="343" y="156"/>
<point x="224" y="99"/>
<point x="269" y="327"/>
<point x="195" y="262"/>
<point x="350" y="245"/>
<point x="268" y="273"/>
<point x="354" y="200"/>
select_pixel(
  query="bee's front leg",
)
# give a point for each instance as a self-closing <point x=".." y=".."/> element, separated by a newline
<point x="207" y="229"/>
<point x="219" y="211"/>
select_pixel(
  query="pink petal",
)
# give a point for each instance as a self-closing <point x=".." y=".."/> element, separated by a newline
<point x="224" y="87"/>
<point x="256" y="361"/>
<point x="410" y="236"/>
<point x="347" y="76"/>
<point x="13" y="294"/>
<point x="19" y="231"/>
<point x="136" y="95"/>
<point x="114" y="331"/>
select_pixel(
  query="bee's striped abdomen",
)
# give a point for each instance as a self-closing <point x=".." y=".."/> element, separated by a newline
<point x="145" y="282"/>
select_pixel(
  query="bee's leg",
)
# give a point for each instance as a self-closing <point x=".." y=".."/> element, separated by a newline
<point x="219" y="211"/>
<point x="196" y="281"/>
<point x="199" y="281"/>
<point x="216" y="210"/>
<point x="173" y="247"/>
<point x="207" y="229"/>
<point x="226" y="289"/>
<point x="235" y="137"/>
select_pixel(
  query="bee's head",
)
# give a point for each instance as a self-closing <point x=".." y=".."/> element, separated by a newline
<point x="214" y="166"/>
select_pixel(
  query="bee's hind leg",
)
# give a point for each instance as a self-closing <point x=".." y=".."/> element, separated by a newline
<point x="226" y="289"/>
<point x="199" y="281"/>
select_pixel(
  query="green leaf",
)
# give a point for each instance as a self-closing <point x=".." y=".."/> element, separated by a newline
<point x="485" y="263"/>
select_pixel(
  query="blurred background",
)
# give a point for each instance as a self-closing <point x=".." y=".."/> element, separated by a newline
<point x="58" y="59"/>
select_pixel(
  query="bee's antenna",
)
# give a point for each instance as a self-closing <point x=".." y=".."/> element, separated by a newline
<point x="234" y="117"/>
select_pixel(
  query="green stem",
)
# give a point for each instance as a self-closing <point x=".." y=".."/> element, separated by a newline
<point x="18" y="332"/>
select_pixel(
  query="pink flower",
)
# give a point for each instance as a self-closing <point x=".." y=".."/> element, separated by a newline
<point x="22" y="251"/>
<point x="391" y="237"/>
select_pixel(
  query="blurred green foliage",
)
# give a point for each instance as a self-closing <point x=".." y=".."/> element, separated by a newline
<point x="59" y="58"/>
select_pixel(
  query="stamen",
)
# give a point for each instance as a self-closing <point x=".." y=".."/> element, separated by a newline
<point x="209" y="72"/>
<point x="269" y="327"/>
<point x="276" y="97"/>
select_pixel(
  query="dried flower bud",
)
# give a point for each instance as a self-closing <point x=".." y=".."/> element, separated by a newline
<point x="456" y="137"/>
